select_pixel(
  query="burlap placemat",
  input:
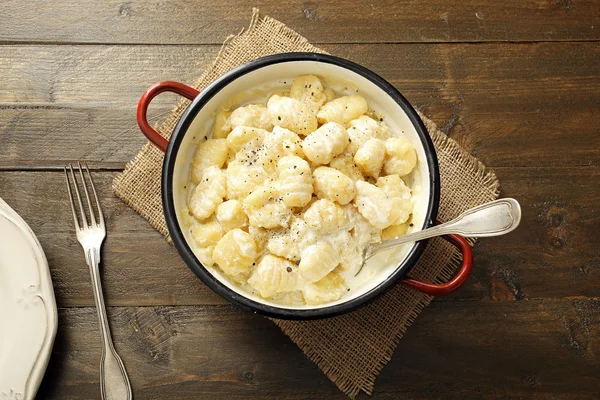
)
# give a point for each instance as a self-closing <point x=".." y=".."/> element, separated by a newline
<point x="353" y="348"/>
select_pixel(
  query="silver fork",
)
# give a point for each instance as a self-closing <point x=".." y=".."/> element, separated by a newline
<point x="114" y="382"/>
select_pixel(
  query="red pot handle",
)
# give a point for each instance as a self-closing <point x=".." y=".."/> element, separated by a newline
<point x="453" y="284"/>
<point x="142" y="109"/>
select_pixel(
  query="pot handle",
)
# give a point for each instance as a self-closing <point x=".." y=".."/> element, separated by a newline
<point x="151" y="93"/>
<point x="453" y="284"/>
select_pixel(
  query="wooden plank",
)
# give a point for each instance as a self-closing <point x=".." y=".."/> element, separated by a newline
<point x="96" y="74"/>
<point x="138" y="266"/>
<point x="498" y="350"/>
<point x="183" y="352"/>
<point x="554" y="254"/>
<point x="510" y="104"/>
<point x="178" y="21"/>
<point x="469" y="350"/>
<point x="50" y="135"/>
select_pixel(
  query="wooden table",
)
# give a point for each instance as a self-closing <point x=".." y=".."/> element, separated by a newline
<point x="516" y="83"/>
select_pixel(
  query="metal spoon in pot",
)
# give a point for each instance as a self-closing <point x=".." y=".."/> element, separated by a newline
<point x="490" y="219"/>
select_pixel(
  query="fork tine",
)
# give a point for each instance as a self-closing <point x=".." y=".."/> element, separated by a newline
<point x="71" y="199"/>
<point x="87" y="195"/>
<point x="83" y="218"/>
<point x="100" y="215"/>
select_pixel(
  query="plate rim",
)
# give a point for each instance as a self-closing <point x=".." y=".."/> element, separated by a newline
<point x="46" y="294"/>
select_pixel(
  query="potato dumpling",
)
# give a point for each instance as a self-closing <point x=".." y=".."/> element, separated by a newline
<point x="292" y="114"/>
<point x="343" y="109"/>
<point x="287" y="192"/>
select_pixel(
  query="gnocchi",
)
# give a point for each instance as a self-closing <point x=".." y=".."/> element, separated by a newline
<point x="369" y="158"/>
<point x="210" y="153"/>
<point x="343" y="109"/>
<point x="287" y="193"/>
<point x="222" y="125"/>
<point x="373" y="203"/>
<point x="295" y="181"/>
<point x="325" y="143"/>
<point x="346" y="165"/>
<point x="231" y="215"/>
<point x="292" y="114"/>
<point x="401" y="157"/>
<point x="209" y="193"/>
<point x="318" y="260"/>
<point x="207" y="235"/>
<point x="325" y="216"/>
<point x="274" y="275"/>
<point x="235" y="252"/>
<point x="309" y="90"/>
<point x="240" y="136"/>
<point x="330" y="288"/>
<point x="254" y="115"/>
<point x="329" y="183"/>
<point x="265" y="208"/>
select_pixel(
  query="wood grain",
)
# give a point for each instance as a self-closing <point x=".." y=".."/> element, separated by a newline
<point x="225" y="353"/>
<point x="554" y="254"/>
<point x="516" y="83"/>
<point x="96" y="74"/>
<point x="533" y="349"/>
<point x="134" y="253"/>
<point x="510" y="104"/>
<point x="182" y="22"/>
<point x="50" y="135"/>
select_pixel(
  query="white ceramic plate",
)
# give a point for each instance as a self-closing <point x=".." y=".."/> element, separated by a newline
<point x="28" y="316"/>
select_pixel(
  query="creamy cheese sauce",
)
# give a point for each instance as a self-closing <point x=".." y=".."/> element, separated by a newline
<point x="351" y="256"/>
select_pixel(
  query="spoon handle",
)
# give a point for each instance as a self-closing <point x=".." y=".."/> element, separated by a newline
<point x="490" y="219"/>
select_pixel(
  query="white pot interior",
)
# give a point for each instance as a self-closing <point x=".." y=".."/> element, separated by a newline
<point x="256" y="87"/>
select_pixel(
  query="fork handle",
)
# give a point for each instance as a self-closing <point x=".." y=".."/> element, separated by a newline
<point x="114" y="382"/>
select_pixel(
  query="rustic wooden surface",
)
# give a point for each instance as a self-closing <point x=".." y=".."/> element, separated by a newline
<point x="516" y="83"/>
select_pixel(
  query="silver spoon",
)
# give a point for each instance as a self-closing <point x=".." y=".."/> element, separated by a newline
<point x="490" y="219"/>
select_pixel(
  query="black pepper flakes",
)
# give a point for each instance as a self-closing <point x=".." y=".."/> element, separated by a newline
<point x="289" y="269"/>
